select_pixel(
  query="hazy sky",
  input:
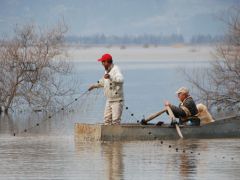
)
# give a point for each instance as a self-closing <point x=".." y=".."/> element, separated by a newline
<point x="119" y="17"/>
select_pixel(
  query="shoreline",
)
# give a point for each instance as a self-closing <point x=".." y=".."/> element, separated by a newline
<point x="141" y="53"/>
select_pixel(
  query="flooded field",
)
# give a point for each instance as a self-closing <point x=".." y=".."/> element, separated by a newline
<point x="39" y="145"/>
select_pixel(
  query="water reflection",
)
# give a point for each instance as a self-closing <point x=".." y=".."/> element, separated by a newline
<point x="6" y="124"/>
<point x="188" y="160"/>
<point x="114" y="160"/>
<point x="143" y="160"/>
<point x="185" y="159"/>
<point x="105" y="159"/>
<point x="49" y="157"/>
<point x="18" y="123"/>
<point x="32" y="123"/>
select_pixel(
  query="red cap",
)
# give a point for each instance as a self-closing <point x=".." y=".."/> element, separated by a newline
<point x="105" y="57"/>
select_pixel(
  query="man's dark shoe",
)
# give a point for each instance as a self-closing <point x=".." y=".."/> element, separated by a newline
<point x="172" y="125"/>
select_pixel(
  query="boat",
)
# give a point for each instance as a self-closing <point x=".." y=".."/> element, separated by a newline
<point x="228" y="127"/>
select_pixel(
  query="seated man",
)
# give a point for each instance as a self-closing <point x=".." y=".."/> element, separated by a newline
<point x="187" y="109"/>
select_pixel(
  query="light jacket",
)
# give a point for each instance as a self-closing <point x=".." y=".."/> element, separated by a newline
<point x="113" y="87"/>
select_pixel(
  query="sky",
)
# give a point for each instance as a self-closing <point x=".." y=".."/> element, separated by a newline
<point x="120" y="17"/>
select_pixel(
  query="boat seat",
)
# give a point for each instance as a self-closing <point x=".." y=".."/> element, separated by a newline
<point x="192" y="121"/>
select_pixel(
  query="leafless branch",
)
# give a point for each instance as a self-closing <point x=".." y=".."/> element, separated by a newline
<point x="222" y="87"/>
<point x="30" y="65"/>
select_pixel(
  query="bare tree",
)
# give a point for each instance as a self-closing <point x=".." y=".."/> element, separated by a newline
<point x="31" y="67"/>
<point x="219" y="86"/>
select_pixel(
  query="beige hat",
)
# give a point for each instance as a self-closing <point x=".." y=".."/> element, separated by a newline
<point x="182" y="90"/>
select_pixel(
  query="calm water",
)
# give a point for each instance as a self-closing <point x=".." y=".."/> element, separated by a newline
<point x="47" y="149"/>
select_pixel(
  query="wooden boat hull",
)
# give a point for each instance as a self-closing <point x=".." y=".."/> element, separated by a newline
<point x="224" y="128"/>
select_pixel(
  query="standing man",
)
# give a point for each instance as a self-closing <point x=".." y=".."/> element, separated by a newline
<point x="112" y="83"/>
<point x="187" y="109"/>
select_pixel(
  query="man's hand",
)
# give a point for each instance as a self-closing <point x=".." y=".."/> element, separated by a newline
<point x="167" y="103"/>
<point x="91" y="87"/>
<point x="107" y="76"/>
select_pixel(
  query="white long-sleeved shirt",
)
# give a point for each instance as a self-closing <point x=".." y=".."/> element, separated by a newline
<point x="113" y="87"/>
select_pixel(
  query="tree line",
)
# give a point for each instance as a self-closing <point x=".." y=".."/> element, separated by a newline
<point x="102" y="39"/>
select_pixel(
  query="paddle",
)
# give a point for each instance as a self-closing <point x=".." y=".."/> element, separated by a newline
<point x="151" y="117"/>
<point x="171" y="115"/>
